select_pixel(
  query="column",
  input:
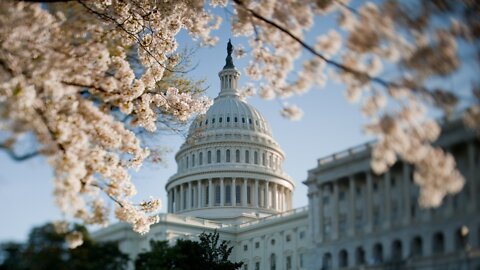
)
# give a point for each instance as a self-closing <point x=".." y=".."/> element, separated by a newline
<point x="335" y="215"/>
<point x="387" y="200"/>
<point x="210" y="193"/>
<point x="275" y="197"/>
<point x="189" y="196"/>
<point x="169" y="201"/>
<point x="244" y="195"/>
<point x="255" y="194"/>
<point x="369" y="226"/>
<point x="406" y="193"/>
<point x="222" y="192"/>
<point x="319" y="215"/>
<point x="351" y="206"/>
<point x="267" y="196"/>
<point x="182" y="205"/>
<point x="233" y="191"/>
<point x="177" y="198"/>
<point x="199" y="192"/>
<point x="471" y="177"/>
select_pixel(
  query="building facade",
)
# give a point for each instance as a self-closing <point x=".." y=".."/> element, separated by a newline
<point x="358" y="218"/>
<point x="230" y="180"/>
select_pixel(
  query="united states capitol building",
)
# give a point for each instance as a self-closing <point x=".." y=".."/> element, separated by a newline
<point x="230" y="179"/>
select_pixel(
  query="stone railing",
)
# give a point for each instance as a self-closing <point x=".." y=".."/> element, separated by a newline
<point x="273" y="217"/>
<point x="346" y="153"/>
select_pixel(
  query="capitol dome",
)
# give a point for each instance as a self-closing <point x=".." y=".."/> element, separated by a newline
<point x="229" y="166"/>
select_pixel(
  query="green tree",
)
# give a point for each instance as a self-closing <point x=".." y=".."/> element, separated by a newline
<point x="208" y="253"/>
<point x="47" y="249"/>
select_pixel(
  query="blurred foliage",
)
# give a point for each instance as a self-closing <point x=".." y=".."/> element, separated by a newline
<point x="209" y="253"/>
<point x="47" y="249"/>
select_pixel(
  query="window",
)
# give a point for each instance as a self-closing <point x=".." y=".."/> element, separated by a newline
<point x="264" y="160"/>
<point x="255" y="157"/>
<point x="245" y="266"/>
<point x="209" y="157"/>
<point x="302" y="260"/>
<point x="206" y="122"/>
<point x="248" y="195"/>
<point x="228" y="194"/>
<point x="220" y="119"/>
<point x="257" y="265"/>
<point x="236" y="119"/>
<point x="302" y="235"/>
<point x="272" y="242"/>
<point x="228" y="119"/>
<point x="218" y="156"/>
<point x="247" y="156"/>
<point x="257" y="244"/>
<point x="243" y="120"/>
<point x="217" y="194"/>
<point x="207" y="194"/>
<point x="193" y="160"/>
<point x="341" y="195"/>
<point x="187" y="162"/>
<point x="237" y="155"/>
<point x="200" y="158"/>
<point x="228" y="155"/>
<point x="273" y="262"/>
<point x="238" y="193"/>
<point x="288" y="262"/>
<point x="288" y="238"/>
<point x="245" y="247"/>
<point x="250" y="121"/>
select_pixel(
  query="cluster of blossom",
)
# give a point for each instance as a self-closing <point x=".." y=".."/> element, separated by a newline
<point x="65" y="76"/>
<point x="375" y="36"/>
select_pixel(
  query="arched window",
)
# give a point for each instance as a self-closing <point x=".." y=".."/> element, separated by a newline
<point x="187" y="161"/>
<point x="220" y="120"/>
<point x="397" y="250"/>
<point x="236" y="119"/>
<point x="200" y="158"/>
<point x="273" y="262"/>
<point x="247" y="156"/>
<point x="438" y="243"/>
<point x="209" y="157"/>
<point x="243" y="120"/>
<point x="327" y="261"/>
<point x="343" y="258"/>
<point x="228" y="119"/>
<point x="237" y="155"/>
<point x="227" y="155"/>
<point x="359" y="256"/>
<point x="264" y="159"/>
<point x="218" y="156"/>
<point x="417" y="247"/>
<point x="377" y="253"/>
<point x="193" y="160"/>
<point x="461" y="238"/>
<point x="255" y="157"/>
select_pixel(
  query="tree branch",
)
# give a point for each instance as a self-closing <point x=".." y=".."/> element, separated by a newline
<point x="16" y="157"/>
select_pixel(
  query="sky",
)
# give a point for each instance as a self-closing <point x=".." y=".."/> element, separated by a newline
<point x="330" y="124"/>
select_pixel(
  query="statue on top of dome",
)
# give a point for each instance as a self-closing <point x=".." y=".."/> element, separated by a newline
<point x="228" y="60"/>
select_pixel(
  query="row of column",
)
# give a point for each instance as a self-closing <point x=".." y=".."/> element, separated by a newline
<point x="213" y="192"/>
<point x="404" y="206"/>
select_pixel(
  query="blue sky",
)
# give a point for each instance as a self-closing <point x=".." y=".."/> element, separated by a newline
<point x="329" y="125"/>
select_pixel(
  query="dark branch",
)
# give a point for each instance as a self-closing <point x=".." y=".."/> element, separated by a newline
<point x="17" y="157"/>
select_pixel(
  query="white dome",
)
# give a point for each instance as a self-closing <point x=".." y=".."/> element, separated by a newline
<point x="229" y="165"/>
<point x="232" y="113"/>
